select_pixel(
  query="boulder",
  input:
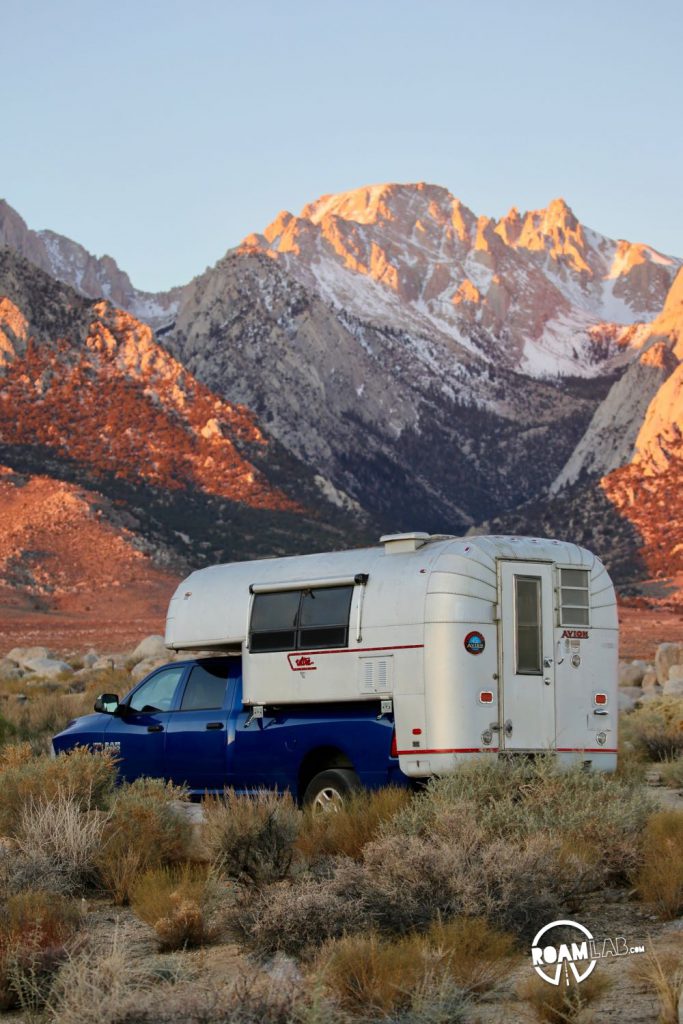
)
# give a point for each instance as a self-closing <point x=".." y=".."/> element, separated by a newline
<point x="143" y="668"/>
<point x="10" y="670"/>
<point x="47" y="667"/>
<point x="23" y="654"/>
<point x="650" y="679"/>
<point x="90" y="659"/>
<point x="103" y="662"/>
<point x="666" y="656"/>
<point x="673" y="687"/>
<point x="631" y="674"/>
<point x="151" y="647"/>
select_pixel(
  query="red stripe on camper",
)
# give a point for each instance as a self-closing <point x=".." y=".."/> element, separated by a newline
<point x="362" y="650"/>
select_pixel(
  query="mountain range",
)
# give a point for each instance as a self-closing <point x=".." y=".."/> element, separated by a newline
<point x="385" y="360"/>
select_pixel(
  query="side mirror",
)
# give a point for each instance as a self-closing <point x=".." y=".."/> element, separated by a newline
<point x="107" y="703"/>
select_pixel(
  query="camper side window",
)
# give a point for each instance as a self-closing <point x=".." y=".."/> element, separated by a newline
<point x="574" y="597"/>
<point x="273" y="621"/>
<point x="315" y="617"/>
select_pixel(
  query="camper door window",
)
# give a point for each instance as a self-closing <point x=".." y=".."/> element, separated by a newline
<point x="311" y="618"/>
<point x="528" y="616"/>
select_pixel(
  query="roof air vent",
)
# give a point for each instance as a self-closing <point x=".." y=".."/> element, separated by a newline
<point x="399" y="543"/>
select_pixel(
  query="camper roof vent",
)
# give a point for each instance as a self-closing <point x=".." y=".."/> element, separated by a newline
<point x="398" y="543"/>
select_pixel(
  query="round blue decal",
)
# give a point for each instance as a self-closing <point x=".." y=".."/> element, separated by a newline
<point x="474" y="642"/>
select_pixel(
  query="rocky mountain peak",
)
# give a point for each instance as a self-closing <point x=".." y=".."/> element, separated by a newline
<point x="531" y="290"/>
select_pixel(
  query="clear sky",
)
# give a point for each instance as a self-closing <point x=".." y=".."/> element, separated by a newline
<point x="163" y="132"/>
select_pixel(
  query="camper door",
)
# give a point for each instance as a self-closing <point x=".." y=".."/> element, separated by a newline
<point x="527" y="668"/>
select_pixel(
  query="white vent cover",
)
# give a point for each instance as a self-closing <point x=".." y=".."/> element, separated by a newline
<point x="398" y="543"/>
<point x="375" y="674"/>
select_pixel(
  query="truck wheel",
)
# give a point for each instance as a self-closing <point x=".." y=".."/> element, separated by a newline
<point x="329" y="790"/>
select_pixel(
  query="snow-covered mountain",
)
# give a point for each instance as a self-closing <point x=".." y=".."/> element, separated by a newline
<point x="538" y="292"/>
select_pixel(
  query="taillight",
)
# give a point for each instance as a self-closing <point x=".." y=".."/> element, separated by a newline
<point x="600" y="698"/>
<point x="394" y="745"/>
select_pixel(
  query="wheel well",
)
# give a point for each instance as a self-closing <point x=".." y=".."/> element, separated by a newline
<point x="319" y="760"/>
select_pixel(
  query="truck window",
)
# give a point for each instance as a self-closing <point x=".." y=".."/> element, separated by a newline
<point x="297" y="620"/>
<point x="574" y="597"/>
<point x="205" y="689"/>
<point x="157" y="693"/>
<point x="528" y="624"/>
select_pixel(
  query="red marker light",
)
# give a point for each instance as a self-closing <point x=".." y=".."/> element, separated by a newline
<point x="486" y="697"/>
<point x="600" y="698"/>
<point x="417" y="732"/>
<point x="394" y="745"/>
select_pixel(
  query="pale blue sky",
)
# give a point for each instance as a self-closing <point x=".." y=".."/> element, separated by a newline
<point x="163" y="132"/>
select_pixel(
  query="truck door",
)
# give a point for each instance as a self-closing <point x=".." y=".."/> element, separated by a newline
<point x="197" y="733"/>
<point x="140" y="728"/>
<point x="526" y="651"/>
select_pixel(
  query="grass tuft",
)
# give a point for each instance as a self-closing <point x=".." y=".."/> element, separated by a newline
<point x="660" y="877"/>
<point x="563" y="1004"/>
<point x="347" y="831"/>
<point x="179" y="903"/>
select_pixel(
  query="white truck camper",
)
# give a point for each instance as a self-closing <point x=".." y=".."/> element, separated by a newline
<point x="478" y="645"/>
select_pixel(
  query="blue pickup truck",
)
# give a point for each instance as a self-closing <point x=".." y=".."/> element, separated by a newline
<point x="186" y="722"/>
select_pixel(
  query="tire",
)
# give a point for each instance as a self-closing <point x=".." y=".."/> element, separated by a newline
<point x="328" y="791"/>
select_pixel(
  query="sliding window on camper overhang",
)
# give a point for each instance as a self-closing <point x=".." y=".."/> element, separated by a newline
<point x="307" y="619"/>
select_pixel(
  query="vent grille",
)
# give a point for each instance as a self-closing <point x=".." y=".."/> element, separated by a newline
<point x="376" y="674"/>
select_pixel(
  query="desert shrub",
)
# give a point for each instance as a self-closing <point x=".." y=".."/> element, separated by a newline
<point x="179" y="903"/>
<point x="563" y="1004"/>
<point x="672" y="772"/>
<point x="146" y="828"/>
<point x="38" y="719"/>
<point x="296" y="919"/>
<point x="405" y="884"/>
<point x="100" y="983"/>
<point x="656" y="728"/>
<point x="405" y="979"/>
<point x="88" y="778"/>
<point x="408" y="882"/>
<point x="475" y="955"/>
<point x="600" y="814"/>
<point x="7" y="730"/>
<point x="660" y="877"/>
<point x="19" y="872"/>
<point x="59" y="831"/>
<point x="354" y="825"/>
<point x="34" y="929"/>
<point x="662" y="974"/>
<point x="251" y="839"/>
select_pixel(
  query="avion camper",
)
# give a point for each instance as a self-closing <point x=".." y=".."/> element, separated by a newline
<point x="469" y="646"/>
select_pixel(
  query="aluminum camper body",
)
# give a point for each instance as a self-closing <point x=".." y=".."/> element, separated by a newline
<point x="483" y="644"/>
